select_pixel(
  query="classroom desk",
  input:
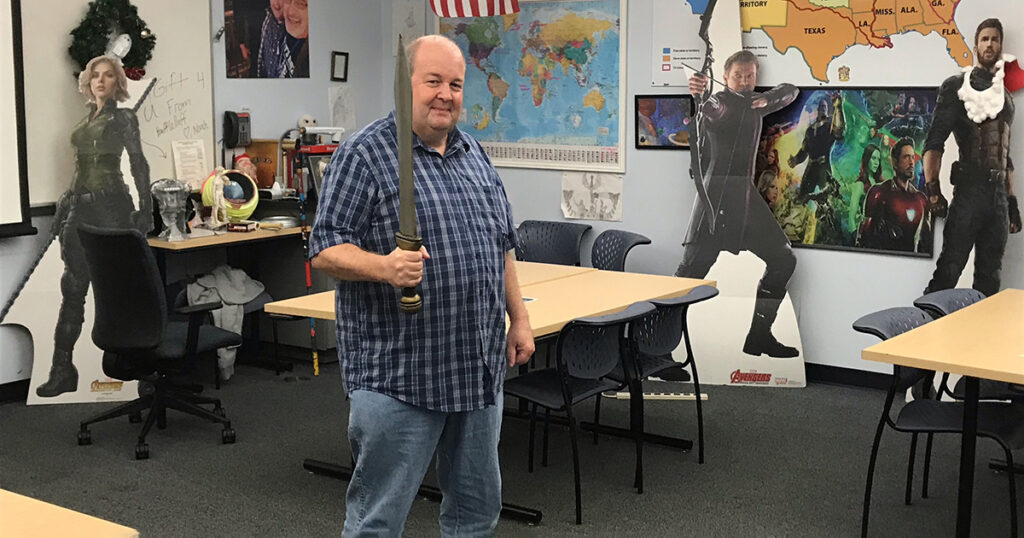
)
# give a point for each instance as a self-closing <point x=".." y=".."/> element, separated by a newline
<point x="534" y="273"/>
<point x="229" y="239"/>
<point x="983" y="340"/>
<point x="321" y="305"/>
<point x="222" y="240"/>
<point x="559" y="294"/>
<point x="25" y="517"/>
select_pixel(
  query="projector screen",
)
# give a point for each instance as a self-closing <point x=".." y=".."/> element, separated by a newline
<point x="14" y="211"/>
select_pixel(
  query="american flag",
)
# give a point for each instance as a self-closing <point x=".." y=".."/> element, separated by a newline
<point x="474" y="8"/>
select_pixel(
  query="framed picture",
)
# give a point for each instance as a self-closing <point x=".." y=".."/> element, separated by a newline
<point x="827" y="168"/>
<point x="317" y="165"/>
<point x="339" y="66"/>
<point x="662" y="121"/>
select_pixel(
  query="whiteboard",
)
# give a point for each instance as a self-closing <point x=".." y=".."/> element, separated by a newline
<point x="179" y="107"/>
<point x="14" y="214"/>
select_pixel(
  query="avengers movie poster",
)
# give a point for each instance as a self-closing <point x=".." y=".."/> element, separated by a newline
<point x="831" y="166"/>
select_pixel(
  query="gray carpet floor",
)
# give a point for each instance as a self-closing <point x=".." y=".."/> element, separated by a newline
<point x="779" y="462"/>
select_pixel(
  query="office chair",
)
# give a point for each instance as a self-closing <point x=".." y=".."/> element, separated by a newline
<point x="997" y="421"/>
<point x="611" y="248"/>
<point x="587" y="349"/>
<point x="655" y="337"/>
<point x="138" y="341"/>
<point x="550" y="242"/>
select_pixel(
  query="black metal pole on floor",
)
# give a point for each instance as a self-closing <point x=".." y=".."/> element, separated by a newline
<point x="508" y="511"/>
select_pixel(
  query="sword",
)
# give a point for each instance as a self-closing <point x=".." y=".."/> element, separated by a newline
<point x="408" y="237"/>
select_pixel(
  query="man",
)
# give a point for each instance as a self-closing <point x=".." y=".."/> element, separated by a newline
<point x="738" y="218"/>
<point x="978" y="110"/>
<point x="430" y="381"/>
<point x="894" y="210"/>
<point x="817" y="147"/>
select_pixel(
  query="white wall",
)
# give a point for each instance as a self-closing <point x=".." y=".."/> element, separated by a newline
<point x="352" y="26"/>
<point x="830" y="288"/>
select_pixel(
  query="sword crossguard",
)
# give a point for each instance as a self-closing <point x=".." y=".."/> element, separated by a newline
<point x="411" y="301"/>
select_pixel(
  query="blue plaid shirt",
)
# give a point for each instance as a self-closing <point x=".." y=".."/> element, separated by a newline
<point x="451" y="356"/>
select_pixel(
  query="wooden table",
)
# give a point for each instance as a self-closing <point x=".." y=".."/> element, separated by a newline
<point x="534" y="273"/>
<point x="984" y="340"/>
<point x="222" y="240"/>
<point x="596" y="293"/>
<point x="559" y="294"/>
<point x="321" y="305"/>
<point x="24" y="517"/>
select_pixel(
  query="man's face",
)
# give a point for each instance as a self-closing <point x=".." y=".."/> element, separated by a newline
<point x="822" y="108"/>
<point x="296" y="18"/>
<point x="904" y="165"/>
<point x="912" y="104"/>
<point x="989" y="47"/>
<point x="277" y="8"/>
<point x="437" y="78"/>
<point x="741" y="77"/>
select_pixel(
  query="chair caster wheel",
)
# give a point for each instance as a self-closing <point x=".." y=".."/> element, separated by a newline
<point x="135" y="418"/>
<point x="142" y="451"/>
<point x="84" y="437"/>
<point x="227" y="436"/>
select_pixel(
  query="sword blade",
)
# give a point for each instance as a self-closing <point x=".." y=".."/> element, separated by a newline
<point x="403" y="121"/>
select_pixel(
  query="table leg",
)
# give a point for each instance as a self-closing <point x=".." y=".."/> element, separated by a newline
<point x="508" y="511"/>
<point x="968" y="443"/>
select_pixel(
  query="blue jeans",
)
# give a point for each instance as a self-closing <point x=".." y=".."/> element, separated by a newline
<point x="392" y="444"/>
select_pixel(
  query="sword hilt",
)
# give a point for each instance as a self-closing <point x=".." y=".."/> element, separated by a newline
<point x="411" y="301"/>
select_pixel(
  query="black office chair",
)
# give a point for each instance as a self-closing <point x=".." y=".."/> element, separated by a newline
<point x="997" y="421"/>
<point x="611" y="248"/>
<point x="586" y="351"/>
<point x="138" y="341"/>
<point x="550" y="242"/>
<point x="655" y="337"/>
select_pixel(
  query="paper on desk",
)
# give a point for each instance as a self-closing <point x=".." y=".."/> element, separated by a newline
<point x="190" y="162"/>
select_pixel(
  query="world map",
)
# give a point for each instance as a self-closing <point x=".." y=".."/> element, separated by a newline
<point x="822" y="30"/>
<point x="547" y="77"/>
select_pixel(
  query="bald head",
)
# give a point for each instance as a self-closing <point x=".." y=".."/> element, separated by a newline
<point x="437" y="71"/>
<point x="432" y="41"/>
